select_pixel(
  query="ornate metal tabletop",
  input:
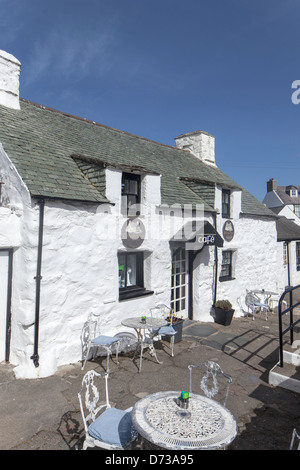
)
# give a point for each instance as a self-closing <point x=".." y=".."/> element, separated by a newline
<point x="152" y="325"/>
<point x="205" y="424"/>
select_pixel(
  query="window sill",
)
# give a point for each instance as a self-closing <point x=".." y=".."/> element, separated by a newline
<point x="134" y="293"/>
<point x="227" y="278"/>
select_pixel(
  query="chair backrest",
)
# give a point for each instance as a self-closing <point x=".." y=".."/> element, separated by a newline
<point x="88" y="332"/>
<point x="295" y="440"/>
<point x="250" y="299"/>
<point x="240" y="304"/>
<point x="161" y="311"/>
<point x="212" y="380"/>
<point x="89" y="396"/>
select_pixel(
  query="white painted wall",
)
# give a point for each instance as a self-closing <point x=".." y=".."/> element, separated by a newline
<point x="80" y="266"/>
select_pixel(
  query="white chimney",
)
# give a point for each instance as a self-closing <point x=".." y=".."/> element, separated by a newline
<point x="199" y="143"/>
<point x="9" y="80"/>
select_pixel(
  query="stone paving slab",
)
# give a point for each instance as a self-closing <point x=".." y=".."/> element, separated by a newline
<point x="44" y="413"/>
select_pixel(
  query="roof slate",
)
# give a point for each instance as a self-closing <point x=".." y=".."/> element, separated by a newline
<point x="285" y="197"/>
<point x="287" y="230"/>
<point x="41" y="142"/>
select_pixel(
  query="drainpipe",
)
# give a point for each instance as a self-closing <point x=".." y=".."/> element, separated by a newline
<point x="216" y="263"/>
<point x="38" y="277"/>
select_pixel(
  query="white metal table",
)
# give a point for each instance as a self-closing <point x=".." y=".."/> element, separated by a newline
<point x="204" y="425"/>
<point x="145" y="338"/>
<point x="266" y="295"/>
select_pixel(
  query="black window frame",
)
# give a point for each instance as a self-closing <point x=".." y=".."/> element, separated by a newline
<point x="126" y="194"/>
<point x="138" y="289"/>
<point x="228" y="276"/>
<point x="226" y="205"/>
<point x="298" y="256"/>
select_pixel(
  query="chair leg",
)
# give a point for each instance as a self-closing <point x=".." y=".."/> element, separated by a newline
<point x="107" y="361"/>
<point x="86" y="356"/>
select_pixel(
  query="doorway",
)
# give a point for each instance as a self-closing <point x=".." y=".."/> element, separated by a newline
<point x="179" y="283"/>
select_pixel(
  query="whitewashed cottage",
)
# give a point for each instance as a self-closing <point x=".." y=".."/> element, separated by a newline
<point x="91" y="220"/>
<point x="284" y="201"/>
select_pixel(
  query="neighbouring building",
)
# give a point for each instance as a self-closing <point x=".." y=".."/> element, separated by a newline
<point x="96" y="219"/>
<point x="284" y="201"/>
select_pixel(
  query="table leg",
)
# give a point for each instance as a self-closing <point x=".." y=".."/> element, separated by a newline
<point x="152" y="351"/>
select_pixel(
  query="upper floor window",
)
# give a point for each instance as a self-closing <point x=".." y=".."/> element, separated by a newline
<point x="297" y="210"/>
<point x="225" y="203"/>
<point x="131" y="194"/>
<point x="293" y="192"/>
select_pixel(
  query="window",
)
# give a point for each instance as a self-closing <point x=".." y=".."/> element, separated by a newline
<point x="131" y="275"/>
<point x="130" y="193"/>
<point x="285" y="257"/>
<point x="298" y="255"/>
<point x="225" y="203"/>
<point x="226" y="269"/>
<point x="297" y="210"/>
<point x="293" y="193"/>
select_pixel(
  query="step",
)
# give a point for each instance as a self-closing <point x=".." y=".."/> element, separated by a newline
<point x="288" y="376"/>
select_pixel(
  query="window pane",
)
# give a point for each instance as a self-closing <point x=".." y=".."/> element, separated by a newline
<point x="133" y="187"/>
<point x="121" y="271"/>
<point x="226" y="264"/>
<point x="131" y="271"/>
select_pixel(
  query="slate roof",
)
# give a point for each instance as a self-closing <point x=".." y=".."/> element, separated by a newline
<point x="287" y="230"/>
<point x="63" y="156"/>
<point x="285" y="197"/>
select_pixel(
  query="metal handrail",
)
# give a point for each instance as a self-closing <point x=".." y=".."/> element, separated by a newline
<point x="292" y="324"/>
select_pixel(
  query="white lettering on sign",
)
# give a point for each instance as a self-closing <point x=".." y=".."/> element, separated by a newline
<point x="206" y="239"/>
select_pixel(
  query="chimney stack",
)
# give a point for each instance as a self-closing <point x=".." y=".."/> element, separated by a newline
<point x="199" y="143"/>
<point x="9" y="80"/>
<point x="271" y="185"/>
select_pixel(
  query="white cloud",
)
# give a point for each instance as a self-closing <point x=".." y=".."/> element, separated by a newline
<point x="70" y="54"/>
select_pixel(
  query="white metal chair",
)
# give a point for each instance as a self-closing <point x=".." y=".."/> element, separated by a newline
<point x="295" y="436"/>
<point x="273" y="301"/>
<point x="255" y="305"/>
<point x="209" y="382"/>
<point x="163" y="311"/>
<point x="90" y="338"/>
<point x="105" y="426"/>
<point x="242" y="307"/>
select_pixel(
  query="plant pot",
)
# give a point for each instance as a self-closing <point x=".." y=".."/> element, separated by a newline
<point x="177" y="327"/>
<point x="223" y="317"/>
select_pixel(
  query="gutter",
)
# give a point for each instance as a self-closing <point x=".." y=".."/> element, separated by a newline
<point x="38" y="277"/>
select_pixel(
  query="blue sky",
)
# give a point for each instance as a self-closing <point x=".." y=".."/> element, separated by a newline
<point x="158" y="69"/>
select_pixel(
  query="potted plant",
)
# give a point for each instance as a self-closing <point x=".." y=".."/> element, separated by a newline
<point x="223" y="312"/>
<point x="177" y="323"/>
